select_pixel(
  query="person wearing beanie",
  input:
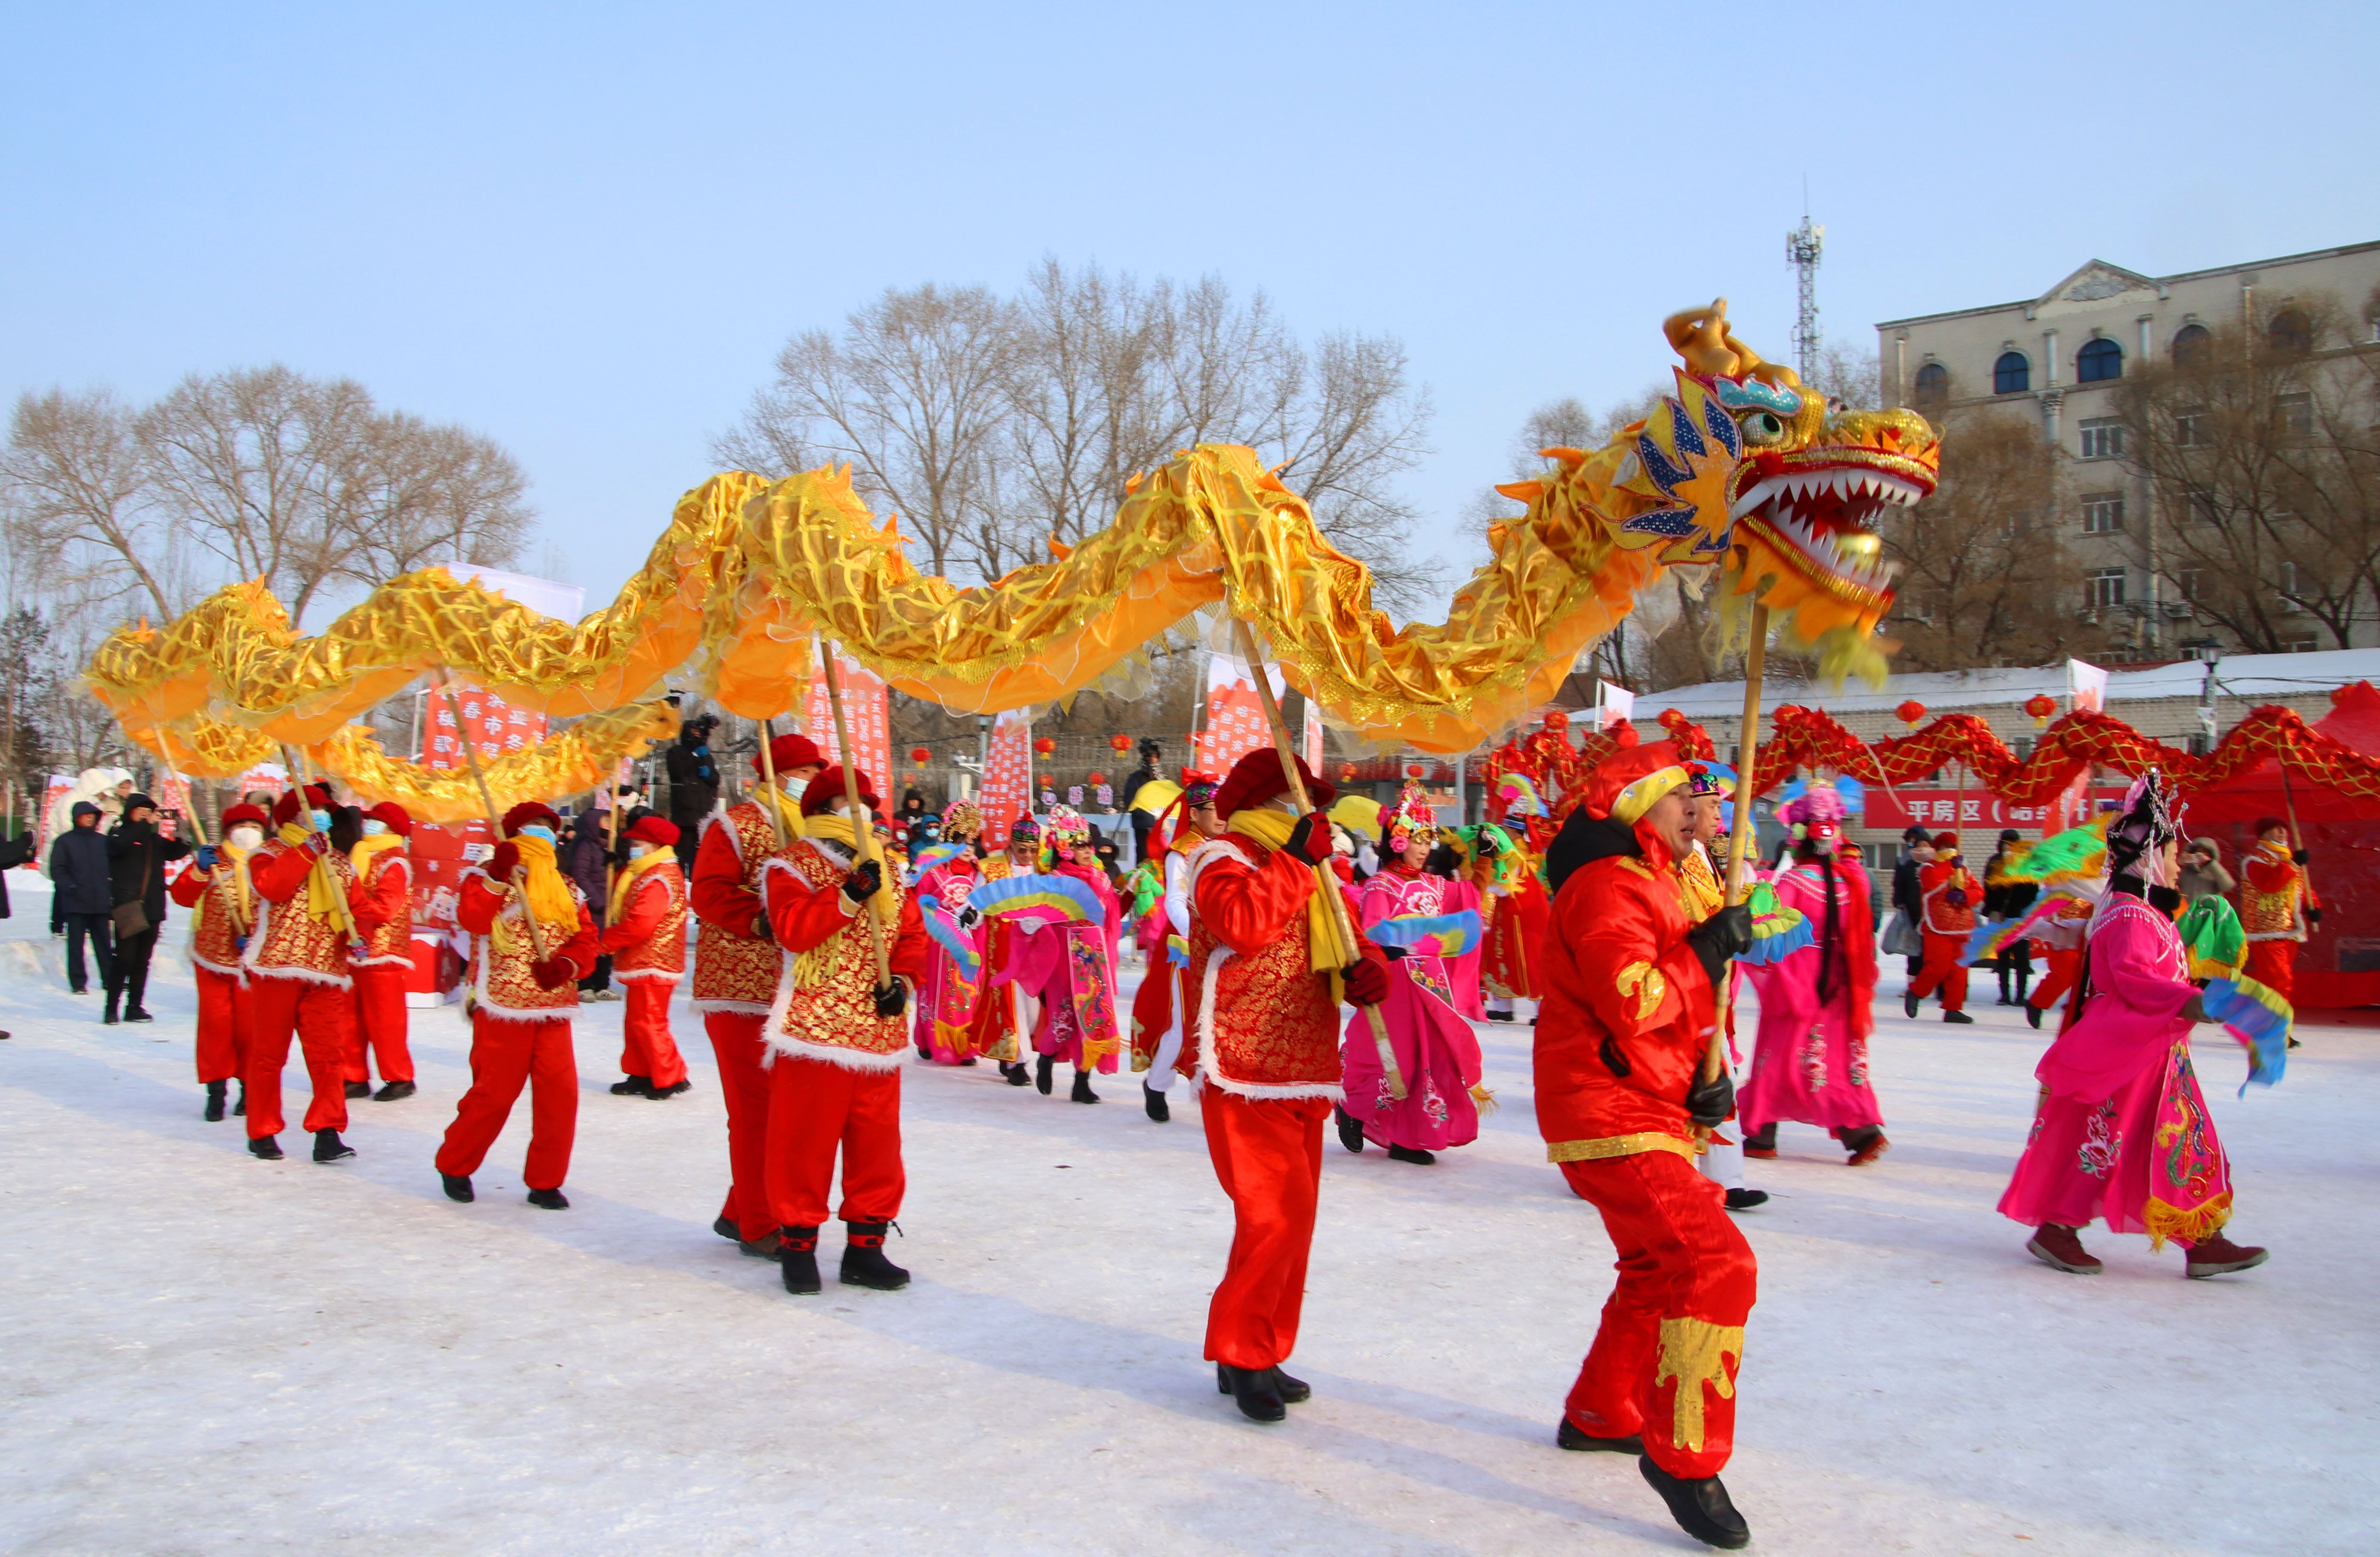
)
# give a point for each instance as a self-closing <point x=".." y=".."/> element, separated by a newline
<point x="223" y="910"/>
<point x="837" y="1038"/>
<point x="1269" y="966"/>
<point x="2007" y="897"/>
<point x="735" y="967"/>
<point x="1810" y="1062"/>
<point x="2277" y="907"/>
<point x="644" y="931"/>
<point x="1947" y="896"/>
<point x="298" y="979"/>
<point x="384" y="957"/>
<point x="1623" y="1094"/>
<point x="521" y="1005"/>
<point x="137" y="856"/>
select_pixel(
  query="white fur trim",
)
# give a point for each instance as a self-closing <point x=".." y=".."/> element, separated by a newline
<point x="719" y="818"/>
<point x="669" y="975"/>
<point x="301" y="975"/>
<point x="830" y="1053"/>
<point x="1260" y="1093"/>
<point x="390" y="961"/>
<point x="730" y="1008"/>
<point x="231" y="972"/>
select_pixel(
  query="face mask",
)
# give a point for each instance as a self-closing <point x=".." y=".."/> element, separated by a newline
<point x="246" y="837"/>
<point x="794" y="787"/>
<point x="545" y="833"/>
<point x="322" y="820"/>
<point x="375" y="827"/>
<point x="639" y="851"/>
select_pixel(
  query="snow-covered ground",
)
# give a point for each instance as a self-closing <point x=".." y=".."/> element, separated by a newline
<point x="205" y="1353"/>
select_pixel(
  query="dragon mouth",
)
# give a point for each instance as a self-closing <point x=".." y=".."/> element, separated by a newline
<point x="1826" y="516"/>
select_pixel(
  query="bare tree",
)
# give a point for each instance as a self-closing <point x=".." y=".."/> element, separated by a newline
<point x="78" y="503"/>
<point x="1355" y="426"/>
<point x="1853" y="379"/>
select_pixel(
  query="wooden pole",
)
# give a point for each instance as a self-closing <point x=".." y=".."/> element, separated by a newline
<point x="863" y="832"/>
<point x="1739" y="842"/>
<point x="338" y="898"/>
<point x="495" y="818"/>
<point x="1326" y="879"/>
<point x="612" y="834"/>
<point x="769" y="775"/>
<point x="2297" y="839"/>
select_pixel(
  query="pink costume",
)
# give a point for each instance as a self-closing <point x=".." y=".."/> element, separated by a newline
<point x="2122" y="1131"/>
<point x="946" y="1005"/>
<point x="1810" y="1059"/>
<point x="1437" y="1053"/>
<point x="1070" y="969"/>
<point x="1469" y="1003"/>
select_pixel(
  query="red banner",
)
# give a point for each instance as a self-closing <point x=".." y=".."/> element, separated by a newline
<point x="1235" y="724"/>
<point x="1978" y="808"/>
<point x="441" y="853"/>
<point x="868" y="706"/>
<point x="1007" y="771"/>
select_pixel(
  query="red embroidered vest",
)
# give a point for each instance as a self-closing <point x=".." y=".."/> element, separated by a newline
<point x="214" y="922"/>
<point x="663" y="956"/>
<point x="1275" y="1028"/>
<point x="290" y="942"/>
<point x="500" y="981"/>
<point x="391" y="945"/>
<point x="834" y="1018"/>
<point x="730" y="974"/>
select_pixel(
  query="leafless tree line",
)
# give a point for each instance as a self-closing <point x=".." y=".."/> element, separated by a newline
<point x="995" y="424"/>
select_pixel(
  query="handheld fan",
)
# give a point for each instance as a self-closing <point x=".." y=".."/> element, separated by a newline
<point x="1433" y="935"/>
<point x="2259" y="1018"/>
<point x="1778" y="932"/>
<point x="1060" y="900"/>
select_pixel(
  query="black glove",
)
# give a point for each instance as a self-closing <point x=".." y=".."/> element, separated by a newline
<point x="969" y="918"/>
<point x="1310" y="839"/>
<point x="867" y="878"/>
<point x="2313" y="914"/>
<point x="1725" y="935"/>
<point x="1393" y="953"/>
<point x="2298" y="857"/>
<point x="892" y="1000"/>
<point x="1711" y="1099"/>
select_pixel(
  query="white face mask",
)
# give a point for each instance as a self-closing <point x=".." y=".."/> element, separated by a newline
<point x="794" y="787"/>
<point x="246" y="837"/>
<point x="375" y="827"/>
<point x="639" y="851"/>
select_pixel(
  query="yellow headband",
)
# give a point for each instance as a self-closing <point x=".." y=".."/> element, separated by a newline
<point x="1638" y="797"/>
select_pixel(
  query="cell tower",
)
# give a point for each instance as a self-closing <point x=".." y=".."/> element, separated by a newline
<point x="1803" y="247"/>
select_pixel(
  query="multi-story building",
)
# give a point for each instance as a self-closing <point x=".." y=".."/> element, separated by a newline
<point x="2060" y="357"/>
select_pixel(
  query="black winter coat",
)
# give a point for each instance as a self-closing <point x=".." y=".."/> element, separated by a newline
<point x="78" y="869"/>
<point x="137" y="853"/>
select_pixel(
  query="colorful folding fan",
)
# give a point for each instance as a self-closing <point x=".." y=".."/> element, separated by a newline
<point x="1778" y="932"/>
<point x="946" y="934"/>
<point x="1057" y="899"/>
<point x="2259" y="1018"/>
<point x="2217" y="942"/>
<point x="2076" y="854"/>
<point x="1433" y="935"/>
<point x="931" y="855"/>
<point x="1985" y="942"/>
<point x="1519" y="796"/>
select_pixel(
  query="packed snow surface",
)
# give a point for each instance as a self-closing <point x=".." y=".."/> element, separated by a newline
<point x="205" y="1353"/>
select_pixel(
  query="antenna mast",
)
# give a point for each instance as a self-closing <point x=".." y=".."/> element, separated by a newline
<point x="1803" y="247"/>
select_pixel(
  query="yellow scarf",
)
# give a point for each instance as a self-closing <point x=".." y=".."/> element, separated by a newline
<point x="833" y="828"/>
<point x="789" y="810"/>
<point x="1328" y="951"/>
<point x="322" y="890"/>
<point x="627" y="881"/>
<point x="549" y="895"/>
<point x="367" y="850"/>
<point x="235" y="860"/>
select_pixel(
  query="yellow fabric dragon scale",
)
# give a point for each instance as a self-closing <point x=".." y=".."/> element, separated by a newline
<point x="1743" y="470"/>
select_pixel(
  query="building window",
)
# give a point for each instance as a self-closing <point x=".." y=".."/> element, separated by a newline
<point x="2308" y="643"/>
<point x="2103" y="512"/>
<point x="2291" y="332"/>
<point x="2190" y="581"/>
<point x="2288" y="580"/>
<point x="2296" y="413"/>
<point x="1933" y="384"/>
<point x="2192" y="346"/>
<point x="2189" y="430"/>
<point x="2098" y="359"/>
<point x="2011" y="374"/>
<point x="2102" y="438"/>
<point x="2106" y="587"/>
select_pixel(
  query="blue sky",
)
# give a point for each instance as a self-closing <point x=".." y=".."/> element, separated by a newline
<point x="584" y="230"/>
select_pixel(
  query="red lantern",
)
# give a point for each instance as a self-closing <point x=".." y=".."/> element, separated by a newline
<point x="1120" y="744"/>
<point x="1044" y="746"/>
<point x="1557" y="721"/>
<point x="921" y="755"/>
<point x="1909" y="712"/>
<point x="1095" y="779"/>
<point x="1414" y="770"/>
<point x="1346" y="771"/>
<point x="2041" y="706"/>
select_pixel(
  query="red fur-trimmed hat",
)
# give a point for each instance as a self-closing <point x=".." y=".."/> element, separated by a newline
<point x="652" y="829"/>
<point x="395" y="816"/>
<point x="828" y="786"/>
<point x="2267" y="824"/>
<point x="286" y="809"/>
<point x="1947" y="840"/>
<point x="1258" y="776"/>
<point x="789" y="751"/>
<point x="251" y="815"/>
<point x="528" y="814"/>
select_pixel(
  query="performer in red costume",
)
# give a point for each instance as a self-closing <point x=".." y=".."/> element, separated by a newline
<point x="1948" y="895"/>
<point x="2276" y="906"/>
<point x="837" y="1039"/>
<point x="1626" y="1021"/>
<point x="521" y="1006"/>
<point x="298" y="983"/>
<point x="644" y="931"/>
<point x="222" y="902"/>
<point x="385" y="957"/>
<point x="1261" y="1035"/>
<point x="735" y="967"/>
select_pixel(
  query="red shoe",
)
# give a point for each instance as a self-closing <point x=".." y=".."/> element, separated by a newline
<point x="2218" y="1256"/>
<point x="1871" y="1152"/>
<point x="2062" y="1249"/>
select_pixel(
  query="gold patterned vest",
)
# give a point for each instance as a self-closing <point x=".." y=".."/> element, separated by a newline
<point x="500" y="981"/>
<point x="290" y="942"/>
<point x="2270" y="916"/>
<point x="732" y="974"/>
<point x="214" y="922"/>
<point x="663" y="956"/>
<point x="1274" y="1032"/>
<point x="391" y="945"/>
<point x="834" y="1018"/>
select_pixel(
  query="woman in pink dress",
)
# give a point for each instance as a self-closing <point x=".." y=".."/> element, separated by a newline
<point x="2122" y="1133"/>
<point x="946" y="1006"/>
<point x="1437" y="1053"/>
<point x="1810" y="1059"/>
<point x="1071" y="968"/>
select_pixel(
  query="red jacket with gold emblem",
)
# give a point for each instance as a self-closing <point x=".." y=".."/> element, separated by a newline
<point x="215" y="900"/>
<point x="1260" y="1020"/>
<point x="734" y="967"/>
<point x="290" y="941"/>
<point x="2273" y="895"/>
<point x="649" y="940"/>
<point x="1936" y="883"/>
<point x="386" y="916"/>
<point x="503" y="954"/>
<point x="825" y="1005"/>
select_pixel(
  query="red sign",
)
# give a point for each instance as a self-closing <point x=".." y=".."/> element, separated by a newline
<point x="868" y="707"/>
<point x="1979" y="808"/>
<point x="1235" y="724"/>
<point x="440" y="854"/>
<point x="1007" y="771"/>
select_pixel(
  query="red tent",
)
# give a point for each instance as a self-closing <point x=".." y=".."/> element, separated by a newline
<point x="2340" y="964"/>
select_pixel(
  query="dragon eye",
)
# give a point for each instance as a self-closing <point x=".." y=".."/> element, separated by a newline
<point x="1761" y="428"/>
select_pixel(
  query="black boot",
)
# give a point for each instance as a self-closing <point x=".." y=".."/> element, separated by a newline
<point x="765" y="1247"/>
<point x="459" y="1186"/>
<point x="108" y="1017"/>
<point x="1909" y="998"/>
<point x="1699" y="1505"/>
<point x="797" y="1260"/>
<point x="392" y="1092"/>
<point x="136" y="1012"/>
<point x="863" y="1259"/>
<point x="1042" y="1066"/>
<point x="1083" y="1092"/>
<point x="1350" y="1134"/>
<point x="2003" y="972"/>
<point x="240" y="1109"/>
<point x="633" y="1086"/>
<point x="1154" y="1103"/>
<point x="727" y="1230"/>
<point x="329" y="1148"/>
<point x="214" y="1102"/>
<point x="359" y="1089"/>
<point x="1292" y="1392"/>
<point x="267" y="1148"/>
<point x="1013" y="1073"/>
<point x="2033" y="1015"/>
<point x="1958" y="1018"/>
<point x="1258" y="1395"/>
<point x="1412" y="1154"/>
<point x="549" y="1199"/>
<point x="1745" y="1199"/>
<point x="2023" y="984"/>
<point x="1569" y="1437"/>
<point x="676" y="1088"/>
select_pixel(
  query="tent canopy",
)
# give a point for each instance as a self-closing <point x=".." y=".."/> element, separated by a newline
<point x="2354" y="721"/>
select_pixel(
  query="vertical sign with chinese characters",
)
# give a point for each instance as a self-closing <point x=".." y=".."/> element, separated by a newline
<point x="1235" y="723"/>
<point x="868" y="706"/>
<point x="1007" y="770"/>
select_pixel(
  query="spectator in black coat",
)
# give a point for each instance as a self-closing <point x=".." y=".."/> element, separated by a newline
<point x="136" y="854"/>
<point x="79" y="878"/>
<point x="694" y="784"/>
<point x="1916" y="852"/>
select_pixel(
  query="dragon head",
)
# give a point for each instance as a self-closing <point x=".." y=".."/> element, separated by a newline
<point x="1745" y="468"/>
